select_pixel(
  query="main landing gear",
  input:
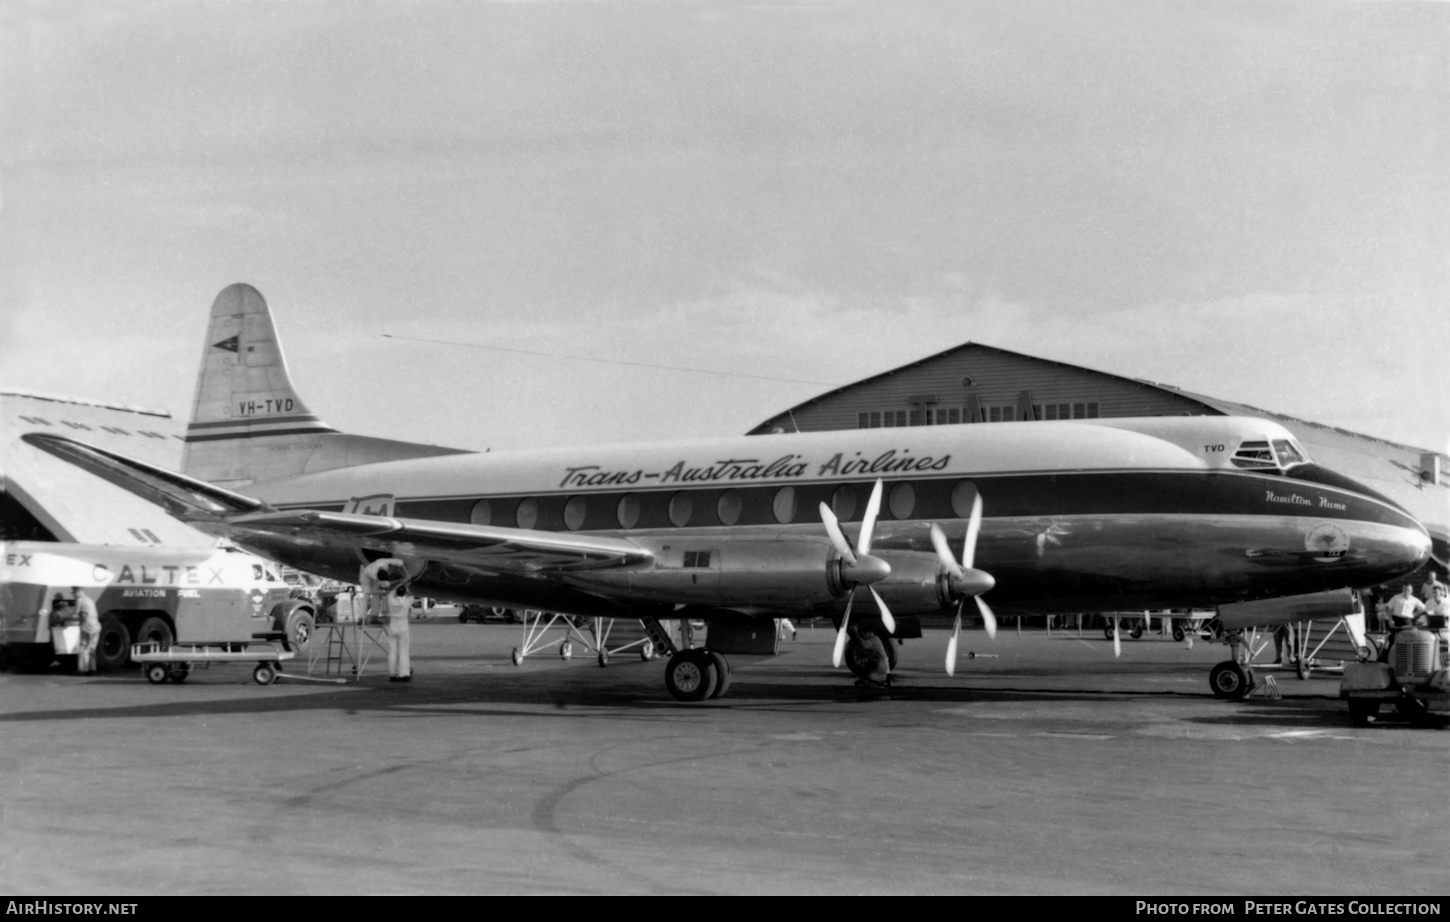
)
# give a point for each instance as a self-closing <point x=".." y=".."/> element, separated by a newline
<point x="697" y="674"/>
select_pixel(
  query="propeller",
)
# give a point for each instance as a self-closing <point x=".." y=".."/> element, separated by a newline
<point x="858" y="567"/>
<point x="965" y="580"/>
<point x="1117" y="641"/>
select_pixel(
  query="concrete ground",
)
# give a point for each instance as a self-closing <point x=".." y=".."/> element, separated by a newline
<point x="1052" y="768"/>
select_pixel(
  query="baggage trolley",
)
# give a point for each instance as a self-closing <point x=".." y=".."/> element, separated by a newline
<point x="173" y="661"/>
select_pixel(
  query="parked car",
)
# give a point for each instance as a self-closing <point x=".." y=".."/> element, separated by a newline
<point x="483" y="614"/>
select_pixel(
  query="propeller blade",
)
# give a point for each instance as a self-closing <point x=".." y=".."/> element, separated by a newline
<point x="974" y="528"/>
<point x="886" y="618"/>
<point x="989" y="620"/>
<point x="952" y="644"/>
<point x="839" y="654"/>
<point x="1117" y="642"/>
<point x="838" y="537"/>
<point x="868" y="522"/>
<point x="943" y="551"/>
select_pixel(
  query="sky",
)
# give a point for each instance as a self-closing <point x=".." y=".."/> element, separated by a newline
<point x="703" y="213"/>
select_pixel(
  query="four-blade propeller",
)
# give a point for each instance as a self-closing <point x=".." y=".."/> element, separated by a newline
<point x="964" y="579"/>
<point x="858" y="567"/>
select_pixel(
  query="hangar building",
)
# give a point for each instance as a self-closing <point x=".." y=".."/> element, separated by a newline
<point x="975" y="383"/>
<point x="43" y="498"/>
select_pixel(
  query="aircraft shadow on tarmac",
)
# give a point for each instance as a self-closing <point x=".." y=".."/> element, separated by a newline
<point x="632" y="693"/>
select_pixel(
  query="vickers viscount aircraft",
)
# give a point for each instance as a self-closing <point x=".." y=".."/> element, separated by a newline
<point x="1105" y="515"/>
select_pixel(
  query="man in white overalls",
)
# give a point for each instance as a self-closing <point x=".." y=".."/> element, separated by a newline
<point x="400" y="666"/>
<point x="90" y="632"/>
<point x="384" y="584"/>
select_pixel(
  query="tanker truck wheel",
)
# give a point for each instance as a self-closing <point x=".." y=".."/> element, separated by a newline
<point x="113" y="647"/>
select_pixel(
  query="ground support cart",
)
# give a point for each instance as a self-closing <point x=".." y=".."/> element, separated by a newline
<point x="173" y="661"/>
<point x="1412" y="673"/>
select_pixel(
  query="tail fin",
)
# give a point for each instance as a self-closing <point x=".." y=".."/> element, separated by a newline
<point x="248" y="423"/>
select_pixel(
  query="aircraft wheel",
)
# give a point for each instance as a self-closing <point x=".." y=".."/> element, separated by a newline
<point x="690" y="675"/>
<point x="854" y="658"/>
<point x="566" y="650"/>
<point x="179" y="672"/>
<point x="1361" y="712"/>
<point x="603" y="657"/>
<point x="264" y="674"/>
<point x="1178" y="634"/>
<point x="156" y="673"/>
<point x="1302" y="667"/>
<point x="647" y="650"/>
<point x="722" y="668"/>
<point x="518" y="660"/>
<point x="1229" y="680"/>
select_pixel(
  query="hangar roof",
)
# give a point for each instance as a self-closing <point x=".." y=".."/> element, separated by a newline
<point x="67" y="502"/>
<point x="1392" y="468"/>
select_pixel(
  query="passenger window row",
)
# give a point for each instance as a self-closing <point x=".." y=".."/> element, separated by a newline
<point x="722" y="506"/>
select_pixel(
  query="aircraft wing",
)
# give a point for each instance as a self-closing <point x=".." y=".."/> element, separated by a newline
<point x="485" y="546"/>
<point x="221" y="511"/>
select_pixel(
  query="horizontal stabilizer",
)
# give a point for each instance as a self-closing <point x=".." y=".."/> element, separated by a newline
<point x="183" y="497"/>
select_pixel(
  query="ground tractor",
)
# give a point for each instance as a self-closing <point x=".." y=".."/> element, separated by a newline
<point x="1412" y="672"/>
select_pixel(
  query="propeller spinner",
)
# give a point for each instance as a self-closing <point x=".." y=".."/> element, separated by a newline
<point x="965" y="580"/>
<point x="858" y="567"/>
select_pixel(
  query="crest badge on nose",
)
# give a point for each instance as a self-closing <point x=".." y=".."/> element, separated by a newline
<point x="1327" y="541"/>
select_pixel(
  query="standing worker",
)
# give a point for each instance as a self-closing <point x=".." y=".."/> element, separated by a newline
<point x="400" y="665"/>
<point x="90" y="632"/>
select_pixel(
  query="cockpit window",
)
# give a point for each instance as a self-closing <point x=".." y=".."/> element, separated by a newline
<point x="1289" y="453"/>
<point x="1254" y="456"/>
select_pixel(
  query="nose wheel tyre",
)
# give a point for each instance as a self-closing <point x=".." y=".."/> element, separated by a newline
<point x="691" y="675"/>
<point x="647" y="650"/>
<point x="722" y="669"/>
<point x="1229" y="680"/>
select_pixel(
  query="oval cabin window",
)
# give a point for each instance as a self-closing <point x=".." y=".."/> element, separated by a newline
<point x="628" y="510"/>
<point x="729" y="507"/>
<point x="680" y="509"/>
<point x="843" y="501"/>
<point x="574" y="513"/>
<point x="962" y="495"/>
<point x="902" y="501"/>
<point x="528" y="514"/>
<point x="480" y="513"/>
<point x="784" y="505"/>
